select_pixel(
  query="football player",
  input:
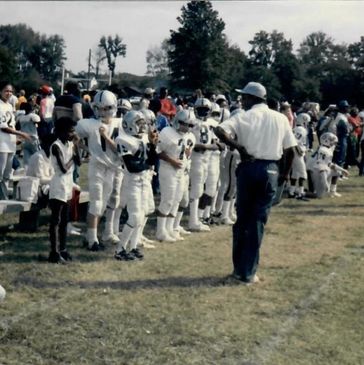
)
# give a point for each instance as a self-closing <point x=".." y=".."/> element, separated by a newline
<point x="138" y="152"/>
<point x="173" y="163"/>
<point x="104" y="161"/>
<point x="299" y="171"/>
<point x="325" y="173"/>
<point x="201" y="154"/>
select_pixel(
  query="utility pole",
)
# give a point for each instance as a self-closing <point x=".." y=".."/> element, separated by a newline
<point x="89" y="69"/>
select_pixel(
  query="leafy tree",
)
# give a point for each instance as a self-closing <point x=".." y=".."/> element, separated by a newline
<point x="157" y="60"/>
<point x="198" y="48"/>
<point x="113" y="48"/>
<point x="7" y="64"/>
<point x="39" y="57"/>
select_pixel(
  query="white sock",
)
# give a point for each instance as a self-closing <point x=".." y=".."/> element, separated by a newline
<point x="301" y="190"/>
<point x="225" y="209"/>
<point x="116" y="222"/>
<point x="200" y="213"/>
<point x="177" y="220"/>
<point x="92" y="235"/>
<point x="169" y="225"/>
<point x="333" y="188"/>
<point x="124" y="237"/>
<point x="135" y="237"/>
<point x="109" y="222"/>
<point x="161" y="225"/>
<point x="292" y="189"/>
<point x="193" y="219"/>
<point x="207" y="212"/>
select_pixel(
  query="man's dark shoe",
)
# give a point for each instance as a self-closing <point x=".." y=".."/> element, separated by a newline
<point x="66" y="255"/>
<point x="56" y="258"/>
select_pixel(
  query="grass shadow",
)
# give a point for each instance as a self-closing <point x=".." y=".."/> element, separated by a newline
<point x="167" y="283"/>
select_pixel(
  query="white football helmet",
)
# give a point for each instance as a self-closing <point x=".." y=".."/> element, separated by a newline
<point x="186" y="117"/>
<point x="215" y="112"/>
<point x="149" y="116"/>
<point x="303" y="119"/>
<point x="328" y="139"/>
<point x="202" y="107"/>
<point x="104" y="104"/>
<point x="134" y="123"/>
<point x="124" y="104"/>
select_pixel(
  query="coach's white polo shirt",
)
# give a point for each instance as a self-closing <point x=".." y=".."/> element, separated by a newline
<point x="262" y="131"/>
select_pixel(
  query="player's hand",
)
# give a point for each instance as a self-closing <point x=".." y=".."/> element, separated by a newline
<point x="177" y="164"/>
<point x="188" y="152"/>
<point x="345" y="172"/>
<point x="153" y="136"/>
<point x="76" y="138"/>
<point x="102" y="131"/>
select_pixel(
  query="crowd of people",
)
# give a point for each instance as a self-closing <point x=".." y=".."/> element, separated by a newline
<point x="199" y="155"/>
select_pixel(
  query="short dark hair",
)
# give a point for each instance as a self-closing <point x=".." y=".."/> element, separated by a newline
<point x="63" y="125"/>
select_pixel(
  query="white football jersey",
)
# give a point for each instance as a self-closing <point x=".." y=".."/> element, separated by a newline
<point x="137" y="147"/>
<point x="301" y="137"/>
<point x="99" y="148"/>
<point x="174" y="144"/>
<point x="7" y="140"/>
<point x="323" y="158"/>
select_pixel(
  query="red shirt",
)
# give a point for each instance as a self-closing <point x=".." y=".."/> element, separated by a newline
<point x="167" y="108"/>
<point x="355" y="122"/>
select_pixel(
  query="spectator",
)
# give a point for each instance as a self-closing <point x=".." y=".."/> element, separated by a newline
<point x="8" y="135"/>
<point x="69" y="104"/>
<point x="29" y="123"/>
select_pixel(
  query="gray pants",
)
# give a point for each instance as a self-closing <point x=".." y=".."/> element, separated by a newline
<point x="6" y="162"/>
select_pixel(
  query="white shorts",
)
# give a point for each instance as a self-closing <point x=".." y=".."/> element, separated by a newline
<point x="132" y="193"/>
<point x="299" y="170"/>
<point x="171" y="188"/>
<point x="213" y="174"/>
<point x="198" y="174"/>
<point x="100" y="182"/>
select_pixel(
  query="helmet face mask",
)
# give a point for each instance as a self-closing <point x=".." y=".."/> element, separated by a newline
<point x="303" y="119"/>
<point x="202" y="108"/>
<point x="328" y="139"/>
<point x="184" y="120"/>
<point x="134" y="123"/>
<point x="104" y="105"/>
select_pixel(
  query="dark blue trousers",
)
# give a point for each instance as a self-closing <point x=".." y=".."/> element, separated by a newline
<point x="256" y="185"/>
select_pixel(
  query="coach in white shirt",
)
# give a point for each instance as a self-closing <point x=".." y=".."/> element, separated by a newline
<point x="262" y="137"/>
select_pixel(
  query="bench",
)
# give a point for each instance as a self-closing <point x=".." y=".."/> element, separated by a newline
<point x="29" y="212"/>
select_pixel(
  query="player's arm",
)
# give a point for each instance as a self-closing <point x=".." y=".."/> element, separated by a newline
<point x="63" y="165"/>
<point x="177" y="164"/>
<point x="108" y="140"/>
<point x="9" y="130"/>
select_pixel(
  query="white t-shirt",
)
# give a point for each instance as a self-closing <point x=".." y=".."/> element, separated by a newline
<point x="263" y="132"/>
<point x="61" y="185"/>
<point x="7" y="140"/>
<point x="99" y="149"/>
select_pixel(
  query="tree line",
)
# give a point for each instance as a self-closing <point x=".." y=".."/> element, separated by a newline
<point x="199" y="55"/>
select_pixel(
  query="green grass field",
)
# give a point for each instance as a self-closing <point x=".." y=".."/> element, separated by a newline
<point x="172" y="307"/>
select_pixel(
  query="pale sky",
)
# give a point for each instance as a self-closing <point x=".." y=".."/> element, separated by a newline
<point x="143" y="24"/>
